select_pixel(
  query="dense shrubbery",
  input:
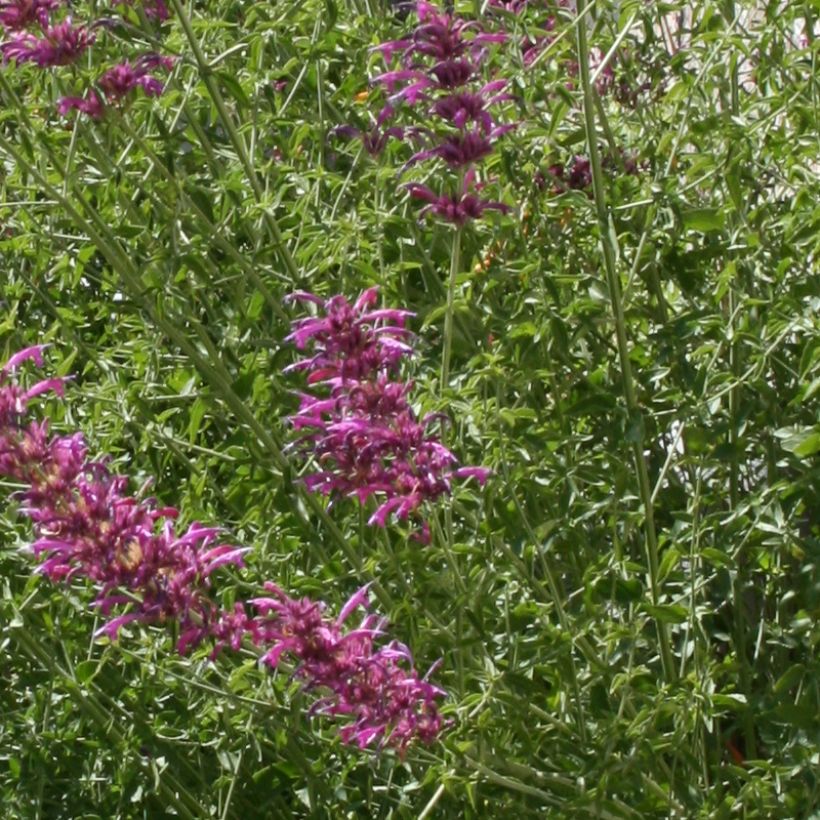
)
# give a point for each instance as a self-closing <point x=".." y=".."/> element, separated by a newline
<point x="600" y="240"/>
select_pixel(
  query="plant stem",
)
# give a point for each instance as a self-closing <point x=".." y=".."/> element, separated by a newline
<point x="455" y="263"/>
<point x="630" y="393"/>
<point x="739" y="579"/>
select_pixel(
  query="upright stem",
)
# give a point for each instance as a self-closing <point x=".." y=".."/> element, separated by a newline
<point x="739" y="579"/>
<point x="614" y="287"/>
<point x="455" y="263"/>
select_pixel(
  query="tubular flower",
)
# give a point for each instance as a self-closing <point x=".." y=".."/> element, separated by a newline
<point x="577" y="175"/>
<point x="464" y="148"/>
<point x="17" y="15"/>
<point x="123" y="78"/>
<point x="443" y="52"/>
<point x="87" y="527"/>
<point x="458" y="209"/>
<point x="117" y="83"/>
<point x="91" y="105"/>
<point x="441" y="37"/>
<point x="377" y="690"/>
<point x="362" y="429"/>
<point x="465" y="107"/>
<point x="375" y="140"/>
<point x="61" y="44"/>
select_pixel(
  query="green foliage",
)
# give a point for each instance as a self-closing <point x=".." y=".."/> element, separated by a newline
<point x="153" y="249"/>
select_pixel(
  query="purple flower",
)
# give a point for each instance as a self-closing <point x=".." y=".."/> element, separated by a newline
<point x="17" y="15"/>
<point x="512" y="6"/>
<point x="91" y="105"/>
<point x="375" y="140"/>
<point x="439" y="36"/>
<point x="86" y="526"/>
<point x="452" y="73"/>
<point x="442" y="53"/>
<point x="580" y="173"/>
<point x="437" y="63"/>
<point x="465" y="148"/>
<point x="61" y="44"/>
<point x="458" y="209"/>
<point x="376" y="690"/>
<point x="351" y="341"/>
<point x="117" y="83"/>
<point x="463" y="107"/>
<point x="362" y="430"/>
<point x="443" y="76"/>
<point x="123" y="78"/>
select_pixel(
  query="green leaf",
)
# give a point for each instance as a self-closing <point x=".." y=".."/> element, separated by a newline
<point x="667" y="613"/>
<point x="802" y="441"/>
<point x="703" y="220"/>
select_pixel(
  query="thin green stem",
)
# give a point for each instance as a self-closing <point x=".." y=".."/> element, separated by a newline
<point x="630" y="393"/>
<point x="740" y="625"/>
<point x="455" y="263"/>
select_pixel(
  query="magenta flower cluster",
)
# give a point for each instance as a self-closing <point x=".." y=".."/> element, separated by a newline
<point x="18" y="15"/>
<point x="54" y="44"/>
<point x="438" y="67"/>
<point x="153" y="9"/>
<point x="376" y="690"/>
<point x="117" y="84"/>
<point x="36" y="38"/>
<point x="360" y="427"/>
<point x="88" y="528"/>
<point x="374" y="140"/>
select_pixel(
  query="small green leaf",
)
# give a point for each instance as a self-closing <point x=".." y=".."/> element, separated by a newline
<point x="789" y="678"/>
<point x="801" y="441"/>
<point x="667" y="613"/>
<point x="703" y="220"/>
<point x="668" y="562"/>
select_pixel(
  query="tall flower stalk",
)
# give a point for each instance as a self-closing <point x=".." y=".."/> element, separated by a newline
<point x="88" y="528"/>
<point x="439" y="68"/>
